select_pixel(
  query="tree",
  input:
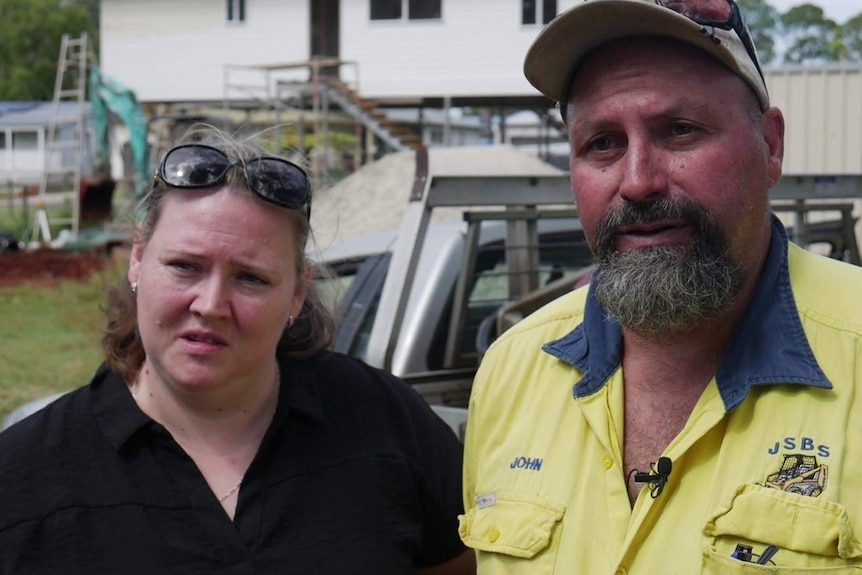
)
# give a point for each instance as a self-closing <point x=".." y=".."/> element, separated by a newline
<point x="763" y="21"/>
<point x="803" y="34"/>
<point x="811" y="36"/>
<point x="852" y="39"/>
<point x="30" y="32"/>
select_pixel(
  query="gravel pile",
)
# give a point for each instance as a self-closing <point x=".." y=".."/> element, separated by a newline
<point x="374" y="198"/>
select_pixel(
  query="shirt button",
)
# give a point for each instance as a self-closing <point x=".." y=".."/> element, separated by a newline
<point x="608" y="462"/>
<point x="493" y="535"/>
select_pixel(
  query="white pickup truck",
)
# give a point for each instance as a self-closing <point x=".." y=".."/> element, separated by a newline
<point x="424" y="301"/>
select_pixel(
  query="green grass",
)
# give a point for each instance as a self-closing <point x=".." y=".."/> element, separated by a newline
<point x="49" y="338"/>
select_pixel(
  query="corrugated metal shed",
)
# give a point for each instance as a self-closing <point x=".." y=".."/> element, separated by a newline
<point x="822" y="108"/>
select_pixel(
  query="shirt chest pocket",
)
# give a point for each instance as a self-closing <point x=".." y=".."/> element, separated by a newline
<point x="513" y="533"/>
<point x="810" y="535"/>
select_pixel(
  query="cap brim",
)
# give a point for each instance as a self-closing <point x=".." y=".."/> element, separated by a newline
<point x="567" y="40"/>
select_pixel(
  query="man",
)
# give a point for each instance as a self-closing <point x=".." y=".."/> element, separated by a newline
<point x="697" y="406"/>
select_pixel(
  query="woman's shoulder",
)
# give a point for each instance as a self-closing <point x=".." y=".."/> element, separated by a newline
<point x="348" y="374"/>
<point x="38" y="453"/>
<point x="348" y="385"/>
<point x="44" y="417"/>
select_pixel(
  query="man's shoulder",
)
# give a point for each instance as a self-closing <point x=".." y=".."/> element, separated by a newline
<point x="549" y="322"/>
<point x="826" y="290"/>
<point x="514" y="361"/>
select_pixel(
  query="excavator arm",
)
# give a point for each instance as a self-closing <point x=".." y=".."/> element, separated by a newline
<point x="107" y="96"/>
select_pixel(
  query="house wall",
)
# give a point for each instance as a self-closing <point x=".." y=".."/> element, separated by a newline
<point x="176" y="50"/>
<point x="477" y="48"/>
<point x="23" y="147"/>
<point x="822" y="108"/>
<point x="22" y="164"/>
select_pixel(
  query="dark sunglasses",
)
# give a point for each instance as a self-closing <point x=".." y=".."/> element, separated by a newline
<point x="723" y="14"/>
<point x="275" y="180"/>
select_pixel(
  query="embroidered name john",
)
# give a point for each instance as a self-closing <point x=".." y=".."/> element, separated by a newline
<point x="533" y="464"/>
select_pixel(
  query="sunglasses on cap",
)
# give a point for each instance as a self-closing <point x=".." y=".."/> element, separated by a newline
<point x="723" y="14"/>
<point x="278" y="181"/>
<point x="709" y="15"/>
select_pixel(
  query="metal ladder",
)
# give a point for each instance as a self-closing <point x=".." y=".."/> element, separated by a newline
<point x="64" y="147"/>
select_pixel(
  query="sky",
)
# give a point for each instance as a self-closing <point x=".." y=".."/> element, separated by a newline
<point x="838" y="10"/>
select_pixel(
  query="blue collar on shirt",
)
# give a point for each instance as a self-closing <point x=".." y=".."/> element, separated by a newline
<point x="769" y="346"/>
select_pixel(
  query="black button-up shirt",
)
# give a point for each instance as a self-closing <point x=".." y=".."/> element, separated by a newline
<point x="355" y="475"/>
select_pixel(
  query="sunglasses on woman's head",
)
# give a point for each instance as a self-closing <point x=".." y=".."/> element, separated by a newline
<point x="278" y="181"/>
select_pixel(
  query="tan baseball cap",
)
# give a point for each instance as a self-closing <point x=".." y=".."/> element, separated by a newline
<point x="564" y="43"/>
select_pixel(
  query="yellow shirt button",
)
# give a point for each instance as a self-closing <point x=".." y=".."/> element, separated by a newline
<point x="608" y="462"/>
<point x="493" y="535"/>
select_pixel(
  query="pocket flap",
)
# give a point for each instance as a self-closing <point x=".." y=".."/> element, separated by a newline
<point x="788" y="520"/>
<point x="513" y="524"/>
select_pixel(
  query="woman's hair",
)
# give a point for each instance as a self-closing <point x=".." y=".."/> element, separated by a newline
<point x="311" y="332"/>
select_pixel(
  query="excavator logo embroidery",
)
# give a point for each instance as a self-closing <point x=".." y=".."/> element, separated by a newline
<point x="800" y="474"/>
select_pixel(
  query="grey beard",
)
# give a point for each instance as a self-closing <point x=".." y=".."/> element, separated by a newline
<point x="669" y="289"/>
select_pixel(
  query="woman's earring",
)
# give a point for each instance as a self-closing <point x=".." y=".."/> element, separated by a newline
<point x="134" y="287"/>
<point x="290" y="320"/>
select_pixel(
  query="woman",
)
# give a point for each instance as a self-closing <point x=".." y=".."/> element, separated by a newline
<point x="219" y="435"/>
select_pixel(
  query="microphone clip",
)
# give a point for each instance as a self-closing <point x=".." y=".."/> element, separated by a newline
<point x="657" y="478"/>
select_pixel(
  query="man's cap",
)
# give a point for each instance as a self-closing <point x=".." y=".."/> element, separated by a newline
<point x="563" y="44"/>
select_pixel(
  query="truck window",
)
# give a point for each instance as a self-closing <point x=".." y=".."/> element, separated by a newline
<point x="561" y="254"/>
<point x="351" y="288"/>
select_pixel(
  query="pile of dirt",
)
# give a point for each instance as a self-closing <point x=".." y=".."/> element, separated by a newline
<point x="374" y="198"/>
<point x="47" y="266"/>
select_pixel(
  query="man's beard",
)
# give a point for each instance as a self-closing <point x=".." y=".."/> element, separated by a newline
<point x="667" y="289"/>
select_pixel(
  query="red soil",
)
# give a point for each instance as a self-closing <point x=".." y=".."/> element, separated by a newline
<point x="48" y="266"/>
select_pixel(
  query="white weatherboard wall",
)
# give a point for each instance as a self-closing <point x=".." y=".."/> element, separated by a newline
<point x="477" y="48"/>
<point x="175" y="50"/>
<point x="823" y="113"/>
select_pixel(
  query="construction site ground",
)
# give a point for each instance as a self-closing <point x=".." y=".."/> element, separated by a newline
<point x="48" y="266"/>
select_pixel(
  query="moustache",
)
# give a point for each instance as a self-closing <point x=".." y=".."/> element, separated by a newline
<point x="631" y="213"/>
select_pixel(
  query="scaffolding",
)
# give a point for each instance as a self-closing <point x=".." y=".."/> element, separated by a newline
<point x="320" y="95"/>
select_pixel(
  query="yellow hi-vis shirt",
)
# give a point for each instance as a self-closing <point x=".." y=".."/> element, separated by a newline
<point x="770" y="457"/>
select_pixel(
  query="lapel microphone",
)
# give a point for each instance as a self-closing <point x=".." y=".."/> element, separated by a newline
<point x="657" y="478"/>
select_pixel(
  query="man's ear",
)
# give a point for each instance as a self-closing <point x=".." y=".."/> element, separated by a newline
<point x="772" y="125"/>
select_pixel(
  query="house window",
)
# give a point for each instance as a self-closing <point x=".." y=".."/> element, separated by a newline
<point x="386" y="9"/>
<point x="424" y="9"/>
<point x="533" y="11"/>
<point x="25" y="141"/>
<point x="2" y="140"/>
<point x="413" y="9"/>
<point x="236" y="10"/>
<point x="436" y="135"/>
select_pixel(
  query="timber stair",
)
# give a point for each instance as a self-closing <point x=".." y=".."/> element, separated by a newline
<point x="396" y="135"/>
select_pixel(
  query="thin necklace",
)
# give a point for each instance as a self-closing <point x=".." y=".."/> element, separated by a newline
<point x="231" y="492"/>
<point x="235" y="488"/>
